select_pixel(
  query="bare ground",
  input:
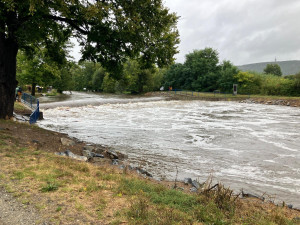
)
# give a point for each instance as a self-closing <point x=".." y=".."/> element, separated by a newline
<point x="13" y="212"/>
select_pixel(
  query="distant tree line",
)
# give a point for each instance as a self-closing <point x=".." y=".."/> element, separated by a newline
<point x="36" y="68"/>
<point x="132" y="79"/>
<point x="201" y="71"/>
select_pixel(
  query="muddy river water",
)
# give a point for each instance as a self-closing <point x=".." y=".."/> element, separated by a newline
<point x="249" y="146"/>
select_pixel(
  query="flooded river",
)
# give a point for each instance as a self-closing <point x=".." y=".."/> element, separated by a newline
<point x="249" y="146"/>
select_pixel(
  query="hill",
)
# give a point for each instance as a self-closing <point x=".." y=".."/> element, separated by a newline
<point x="287" y="67"/>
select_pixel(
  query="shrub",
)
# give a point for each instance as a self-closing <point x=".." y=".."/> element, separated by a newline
<point x="249" y="83"/>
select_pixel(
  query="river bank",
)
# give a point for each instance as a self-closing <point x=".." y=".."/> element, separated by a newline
<point x="66" y="191"/>
<point x="244" y="145"/>
<point x="250" y="99"/>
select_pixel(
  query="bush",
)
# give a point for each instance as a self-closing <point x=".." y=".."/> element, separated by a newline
<point x="249" y="83"/>
<point x="267" y="84"/>
<point x="274" y="85"/>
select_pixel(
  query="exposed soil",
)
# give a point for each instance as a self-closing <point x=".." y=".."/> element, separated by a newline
<point x="43" y="139"/>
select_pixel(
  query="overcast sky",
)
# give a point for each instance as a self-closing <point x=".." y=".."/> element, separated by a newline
<point x="242" y="31"/>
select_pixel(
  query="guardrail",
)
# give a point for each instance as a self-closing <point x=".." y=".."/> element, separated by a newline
<point x="34" y="104"/>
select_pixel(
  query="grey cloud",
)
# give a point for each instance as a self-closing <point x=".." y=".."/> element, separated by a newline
<point x="242" y="31"/>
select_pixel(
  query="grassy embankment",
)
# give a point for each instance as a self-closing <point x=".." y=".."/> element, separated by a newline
<point x="295" y="101"/>
<point x="70" y="192"/>
<point x="20" y="108"/>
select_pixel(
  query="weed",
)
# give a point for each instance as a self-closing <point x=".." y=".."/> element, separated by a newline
<point x="51" y="186"/>
<point x="58" y="209"/>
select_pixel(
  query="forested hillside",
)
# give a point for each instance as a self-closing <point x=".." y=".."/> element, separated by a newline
<point x="287" y="67"/>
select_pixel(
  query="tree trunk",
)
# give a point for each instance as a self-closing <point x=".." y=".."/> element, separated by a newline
<point x="33" y="89"/>
<point x="8" y="83"/>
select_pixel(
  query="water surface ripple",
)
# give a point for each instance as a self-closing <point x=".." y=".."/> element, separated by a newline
<point x="250" y="146"/>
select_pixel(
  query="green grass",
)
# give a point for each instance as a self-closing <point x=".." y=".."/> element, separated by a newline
<point x="275" y="97"/>
<point x="231" y="96"/>
<point x="19" y="106"/>
<point x="157" y="194"/>
<point x="187" y="207"/>
<point x="209" y="95"/>
<point x="52" y="93"/>
<point x="18" y="175"/>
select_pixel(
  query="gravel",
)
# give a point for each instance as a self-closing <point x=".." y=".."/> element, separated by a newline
<point x="13" y="212"/>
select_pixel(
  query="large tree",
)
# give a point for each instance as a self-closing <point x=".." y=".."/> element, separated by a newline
<point x="273" y="69"/>
<point x="109" y="31"/>
<point x="203" y="66"/>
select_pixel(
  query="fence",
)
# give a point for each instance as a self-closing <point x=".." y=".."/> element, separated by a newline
<point x="215" y="94"/>
<point x="29" y="100"/>
<point x="34" y="104"/>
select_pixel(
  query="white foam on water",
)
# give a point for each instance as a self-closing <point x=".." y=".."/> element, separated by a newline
<point x="244" y="143"/>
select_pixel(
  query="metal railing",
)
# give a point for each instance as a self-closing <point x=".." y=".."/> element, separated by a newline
<point x="34" y="104"/>
<point x="35" y="114"/>
<point x="29" y="100"/>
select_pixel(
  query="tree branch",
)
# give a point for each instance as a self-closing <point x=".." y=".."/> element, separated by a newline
<point x="71" y="22"/>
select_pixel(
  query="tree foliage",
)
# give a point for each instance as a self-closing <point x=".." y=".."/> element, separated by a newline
<point x="133" y="78"/>
<point x="40" y="66"/>
<point x="109" y="32"/>
<point x="201" y="72"/>
<point x="226" y="76"/>
<point x="273" y="69"/>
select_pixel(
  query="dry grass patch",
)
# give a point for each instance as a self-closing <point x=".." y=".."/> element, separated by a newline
<point x="60" y="187"/>
<point x="71" y="192"/>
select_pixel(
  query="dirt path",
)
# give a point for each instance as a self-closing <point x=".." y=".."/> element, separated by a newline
<point x="13" y="212"/>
